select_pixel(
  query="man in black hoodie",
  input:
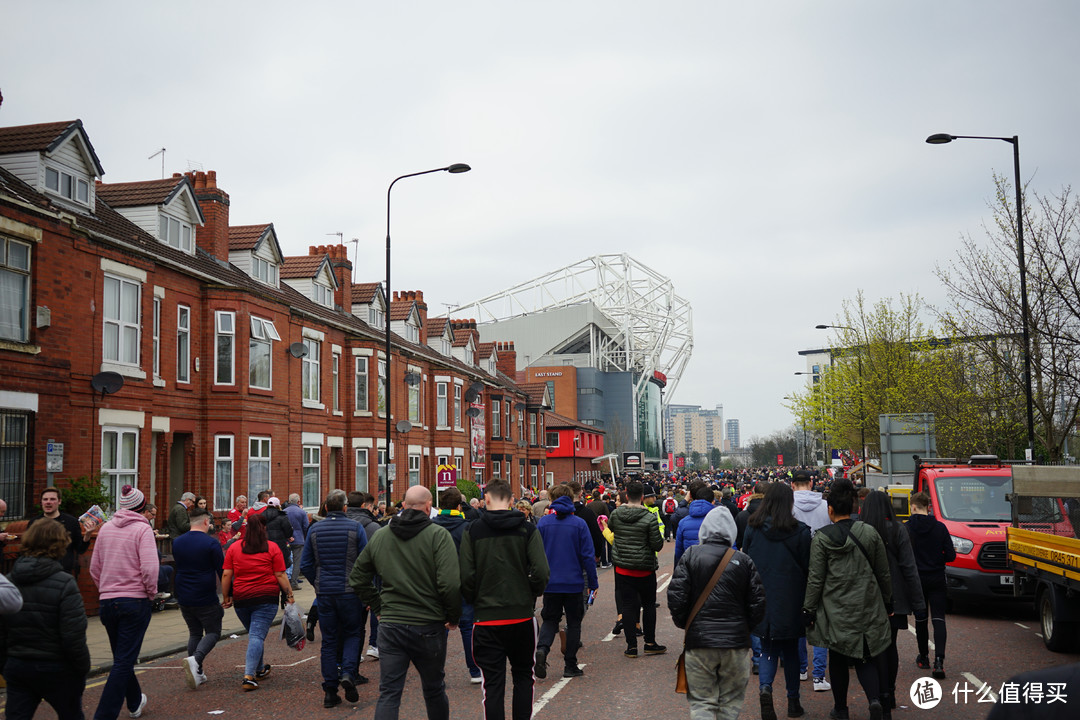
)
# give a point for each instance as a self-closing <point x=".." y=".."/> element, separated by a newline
<point x="453" y="519"/>
<point x="503" y="570"/>
<point x="932" y="545"/>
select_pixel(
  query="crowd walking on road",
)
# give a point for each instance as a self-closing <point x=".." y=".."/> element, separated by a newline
<point x="775" y="572"/>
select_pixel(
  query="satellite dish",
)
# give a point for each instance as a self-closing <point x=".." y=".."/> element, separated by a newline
<point x="298" y="350"/>
<point x="404" y="426"/>
<point x="473" y="412"/>
<point x="107" y="383"/>
<point x="469" y="395"/>
<point x="412" y="378"/>
<point x="519" y="406"/>
<point x="477" y="387"/>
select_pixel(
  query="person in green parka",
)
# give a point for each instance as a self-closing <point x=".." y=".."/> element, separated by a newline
<point x="849" y="600"/>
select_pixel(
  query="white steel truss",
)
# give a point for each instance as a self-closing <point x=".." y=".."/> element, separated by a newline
<point x="653" y="326"/>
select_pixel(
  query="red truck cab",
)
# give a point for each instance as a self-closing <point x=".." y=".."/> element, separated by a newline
<point x="970" y="498"/>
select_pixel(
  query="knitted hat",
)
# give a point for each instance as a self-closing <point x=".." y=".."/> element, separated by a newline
<point x="131" y="499"/>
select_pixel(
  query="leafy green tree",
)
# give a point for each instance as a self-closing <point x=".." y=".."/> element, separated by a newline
<point x="715" y="457"/>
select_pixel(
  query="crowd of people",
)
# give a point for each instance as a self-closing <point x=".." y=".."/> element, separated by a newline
<point x="772" y="568"/>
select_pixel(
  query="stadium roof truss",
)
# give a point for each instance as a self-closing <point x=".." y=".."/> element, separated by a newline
<point x="652" y="327"/>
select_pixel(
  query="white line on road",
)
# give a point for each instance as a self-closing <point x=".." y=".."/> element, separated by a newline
<point x="979" y="684"/>
<point x="1022" y="625"/>
<point x="928" y="642"/>
<point x="611" y="636"/>
<point x="608" y="638"/>
<point x="663" y="586"/>
<point x="550" y="694"/>
<point x="298" y="662"/>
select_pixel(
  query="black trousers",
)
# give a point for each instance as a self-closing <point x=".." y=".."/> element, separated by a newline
<point x="636" y="596"/>
<point x="870" y="674"/>
<point x="554" y="605"/>
<point x="936" y="599"/>
<point x="493" y="645"/>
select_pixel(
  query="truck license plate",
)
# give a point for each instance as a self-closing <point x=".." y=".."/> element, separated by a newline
<point x="1006" y="579"/>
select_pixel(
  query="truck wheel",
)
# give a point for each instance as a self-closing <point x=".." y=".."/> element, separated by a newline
<point x="1057" y="634"/>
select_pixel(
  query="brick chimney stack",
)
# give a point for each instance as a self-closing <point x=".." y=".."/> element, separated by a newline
<point x="464" y="328"/>
<point x="213" y="236"/>
<point x="507" y="362"/>
<point x="342" y="269"/>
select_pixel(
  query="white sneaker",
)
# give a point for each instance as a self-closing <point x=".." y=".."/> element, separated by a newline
<point x="142" y="706"/>
<point x="821" y="685"/>
<point x="803" y="676"/>
<point x="476" y="680"/>
<point x="373" y="652"/>
<point x="191" y="672"/>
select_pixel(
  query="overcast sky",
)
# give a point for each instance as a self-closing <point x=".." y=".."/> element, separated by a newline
<point x="768" y="157"/>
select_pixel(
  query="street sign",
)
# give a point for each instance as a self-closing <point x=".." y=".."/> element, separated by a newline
<point x="664" y="466"/>
<point x="446" y="476"/>
<point x="780" y="460"/>
<point x="54" y="457"/>
<point x="391" y="472"/>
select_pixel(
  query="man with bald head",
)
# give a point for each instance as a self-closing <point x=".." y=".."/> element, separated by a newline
<point x="419" y="601"/>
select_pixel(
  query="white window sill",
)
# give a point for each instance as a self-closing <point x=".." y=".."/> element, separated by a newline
<point x="16" y="346"/>
<point x="442" y="427"/>
<point x="313" y="404"/>
<point x="339" y="413"/>
<point x="361" y="413"/>
<point x="159" y="382"/>
<point x="125" y="370"/>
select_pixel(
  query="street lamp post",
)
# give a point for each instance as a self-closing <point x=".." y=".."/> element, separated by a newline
<point x="941" y="139"/>
<point x="388" y="387"/>
<point x="862" y="409"/>
<point x="577" y="444"/>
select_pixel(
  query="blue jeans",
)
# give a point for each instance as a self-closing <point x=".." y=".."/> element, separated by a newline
<point x="256" y="619"/>
<point x="771" y="652"/>
<point x="755" y="646"/>
<point x="125" y="620"/>
<point x="821" y="657"/>
<point x="424" y="646"/>
<point x="341" y="621"/>
<point x="465" y="624"/>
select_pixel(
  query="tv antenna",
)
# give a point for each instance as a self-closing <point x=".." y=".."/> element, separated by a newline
<point x="160" y="152"/>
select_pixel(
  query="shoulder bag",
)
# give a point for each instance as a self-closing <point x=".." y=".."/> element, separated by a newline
<point x="680" y="665"/>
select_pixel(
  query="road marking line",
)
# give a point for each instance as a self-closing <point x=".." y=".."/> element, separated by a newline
<point x="298" y="662"/>
<point x="608" y="638"/>
<point x="980" y="685"/>
<point x="1022" y="625"/>
<point x="928" y="642"/>
<point x="662" y="576"/>
<point x="550" y="694"/>
<point x="663" y="585"/>
<point x="1038" y="635"/>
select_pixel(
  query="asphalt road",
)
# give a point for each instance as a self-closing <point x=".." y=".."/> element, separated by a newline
<point x="987" y="644"/>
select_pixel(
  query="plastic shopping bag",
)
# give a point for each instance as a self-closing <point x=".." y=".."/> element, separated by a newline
<point x="292" y="627"/>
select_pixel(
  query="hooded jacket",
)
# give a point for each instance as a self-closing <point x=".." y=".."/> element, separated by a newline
<point x="686" y="534"/>
<point x="811" y="509"/>
<point x="737" y="601"/>
<point x="125" y="559"/>
<point x="503" y="566"/>
<point x="568" y="547"/>
<point x="637" y="538"/>
<point x="744" y="517"/>
<point x="418" y="564"/>
<point x="931" y="544"/>
<point x="51" y="627"/>
<point x="848" y="594"/>
<point x="783" y="560"/>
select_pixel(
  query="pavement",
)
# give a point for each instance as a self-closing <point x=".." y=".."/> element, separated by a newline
<point x="168" y="633"/>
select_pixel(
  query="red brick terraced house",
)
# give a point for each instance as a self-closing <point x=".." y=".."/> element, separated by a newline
<point x="162" y="346"/>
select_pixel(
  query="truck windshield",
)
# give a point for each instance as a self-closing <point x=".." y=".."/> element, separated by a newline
<point x="969" y="499"/>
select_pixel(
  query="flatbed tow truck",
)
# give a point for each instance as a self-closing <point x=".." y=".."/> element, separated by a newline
<point x="1043" y="545"/>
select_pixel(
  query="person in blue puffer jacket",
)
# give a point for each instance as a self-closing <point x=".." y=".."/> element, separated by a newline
<point x="687" y="534"/>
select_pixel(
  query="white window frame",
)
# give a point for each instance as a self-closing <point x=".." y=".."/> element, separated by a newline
<point x="264" y="443"/>
<point x="376" y="317"/>
<point x="496" y="418"/>
<point x="496" y="469"/>
<point x="380" y="457"/>
<point x="264" y="271"/>
<point x="534" y="471"/>
<point x="118" y="474"/>
<point x="263" y="333"/>
<point x="446" y="349"/>
<point x="157" y="338"/>
<point x="412" y="400"/>
<point x="20" y="332"/>
<point x="442" y="411"/>
<point x="335" y="378"/>
<point x="532" y="428"/>
<point x="457" y="407"/>
<point x="68" y="185"/>
<point x="414" y="470"/>
<point x="412" y="332"/>
<point x="183" y="344"/>
<point x="224" y="463"/>
<point x="360" y="390"/>
<point x="224" y="336"/>
<point x="381" y="388"/>
<point x="459" y="462"/>
<point x="122" y="326"/>
<point x="322" y="294"/>
<point x="175" y="232"/>
<point x="362" y="472"/>
<point x="311" y="367"/>
<point x="311" y="458"/>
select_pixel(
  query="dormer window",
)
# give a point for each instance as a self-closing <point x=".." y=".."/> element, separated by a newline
<point x="412" y="333"/>
<point x="322" y="295"/>
<point x="491" y="366"/>
<point x="469" y="356"/>
<point x="175" y="233"/>
<point x="376" y="317"/>
<point x="445" y="346"/>
<point x="67" y="185"/>
<point x="264" y="271"/>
